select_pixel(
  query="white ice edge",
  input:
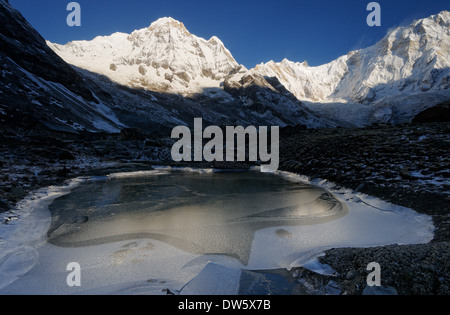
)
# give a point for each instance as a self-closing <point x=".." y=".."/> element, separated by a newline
<point x="358" y="203"/>
<point x="364" y="226"/>
<point x="20" y="241"/>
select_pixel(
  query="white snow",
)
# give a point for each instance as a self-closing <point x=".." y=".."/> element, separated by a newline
<point x="408" y="60"/>
<point x="163" y="56"/>
<point x="28" y="264"/>
<point x="19" y="249"/>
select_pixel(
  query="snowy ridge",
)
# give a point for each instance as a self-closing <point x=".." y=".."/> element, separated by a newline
<point x="163" y="57"/>
<point x="408" y="60"/>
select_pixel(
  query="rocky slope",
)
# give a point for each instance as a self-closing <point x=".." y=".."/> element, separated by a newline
<point x="38" y="87"/>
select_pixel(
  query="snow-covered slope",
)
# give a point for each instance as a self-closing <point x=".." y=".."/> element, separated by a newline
<point x="163" y="57"/>
<point x="408" y="60"/>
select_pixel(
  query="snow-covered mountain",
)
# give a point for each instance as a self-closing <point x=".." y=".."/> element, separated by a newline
<point x="164" y="77"/>
<point x="410" y="63"/>
<point x="408" y="60"/>
<point x="166" y="59"/>
<point x="163" y="57"/>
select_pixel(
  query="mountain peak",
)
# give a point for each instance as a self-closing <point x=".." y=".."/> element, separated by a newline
<point x="445" y="15"/>
<point x="162" y="57"/>
<point x="168" y="23"/>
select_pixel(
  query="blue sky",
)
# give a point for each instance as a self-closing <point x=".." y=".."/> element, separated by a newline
<point x="254" y="31"/>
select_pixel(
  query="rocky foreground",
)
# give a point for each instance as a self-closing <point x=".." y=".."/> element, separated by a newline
<point x="408" y="165"/>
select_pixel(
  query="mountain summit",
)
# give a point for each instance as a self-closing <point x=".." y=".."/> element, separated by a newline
<point x="163" y="57"/>
<point x="408" y="60"/>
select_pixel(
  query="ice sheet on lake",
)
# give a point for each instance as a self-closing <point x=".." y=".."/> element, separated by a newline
<point x="202" y="213"/>
<point x="171" y="229"/>
<point x="214" y="280"/>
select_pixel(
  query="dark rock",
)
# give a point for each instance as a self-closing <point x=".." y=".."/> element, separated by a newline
<point x="360" y="187"/>
<point x="4" y="205"/>
<point x="438" y="113"/>
<point x="128" y="134"/>
<point x="289" y="130"/>
<point x="64" y="155"/>
<point x="152" y="143"/>
<point x="64" y="172"/>
<point x="406" y="175"/>
<point x="37" y="58"/>
<point x="17" y="192"/>
<point x="350" y="275"/>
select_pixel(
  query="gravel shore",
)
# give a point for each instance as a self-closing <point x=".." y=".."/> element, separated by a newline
<point x="408" y="165"/>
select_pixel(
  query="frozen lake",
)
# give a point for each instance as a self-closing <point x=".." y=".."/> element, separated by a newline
<point x="193" y="231"/>
<point x="201" y="213"/>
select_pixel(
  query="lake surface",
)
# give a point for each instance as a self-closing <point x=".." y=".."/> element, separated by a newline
<point x="202" y="213"/>
<point x="196" y="232"/>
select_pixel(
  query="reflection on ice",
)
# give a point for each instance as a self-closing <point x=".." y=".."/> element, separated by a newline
<point x="212" y="213"/>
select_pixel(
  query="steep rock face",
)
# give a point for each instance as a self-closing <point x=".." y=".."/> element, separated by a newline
<point x="409" y="60"/>
<point x="164" y="57"/>
<point x="38" y="87"/>
<point x="25" y="46"/>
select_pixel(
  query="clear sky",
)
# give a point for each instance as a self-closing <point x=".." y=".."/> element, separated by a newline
<point x="254" y="31"/>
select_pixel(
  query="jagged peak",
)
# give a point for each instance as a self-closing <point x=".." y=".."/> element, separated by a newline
<point x="445" y="15"/>
<point x="168" y="23"/>
<point x="215" y="41"/>
<point x="442" y="19"/>
<point x="271" y="62"/>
